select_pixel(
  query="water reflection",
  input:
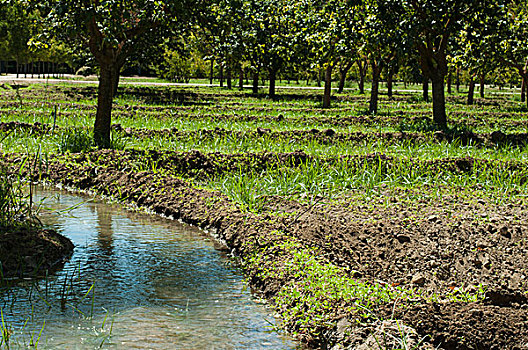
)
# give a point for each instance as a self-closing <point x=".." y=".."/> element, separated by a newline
<point x="156" y="284"/>
<point x="105" y="232"/>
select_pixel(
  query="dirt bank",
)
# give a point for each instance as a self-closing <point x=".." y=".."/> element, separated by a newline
<point x="31" y="252"/>
<point x="451" y="268"/>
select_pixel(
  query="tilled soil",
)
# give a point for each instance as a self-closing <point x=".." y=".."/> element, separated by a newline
<point x="454" y="243"/>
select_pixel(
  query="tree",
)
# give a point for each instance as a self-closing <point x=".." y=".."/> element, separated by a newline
<point x="113" y="30"/>
<point x="18" y="28"/>
<point x="513" y="40"/>
<point x="329" y="29"/>
<point x="430" y="24"/>
<point x="383" y="43"/>
<point x="476" y="53"/>
<point x="268" y="32"/>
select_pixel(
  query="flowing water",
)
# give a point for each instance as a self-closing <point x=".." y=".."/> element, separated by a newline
<point x="135" y="281"/>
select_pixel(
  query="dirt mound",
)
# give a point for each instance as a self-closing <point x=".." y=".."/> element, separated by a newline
<point x="31" y="252"/>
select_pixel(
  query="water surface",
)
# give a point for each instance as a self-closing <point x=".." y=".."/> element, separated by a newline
<point x="135" y="281"/>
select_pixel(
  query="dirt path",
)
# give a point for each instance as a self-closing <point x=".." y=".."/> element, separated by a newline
<point x="12" y="79"/>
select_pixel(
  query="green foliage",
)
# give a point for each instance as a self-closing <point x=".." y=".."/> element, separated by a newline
<point x="79" y="140"/>
<point x="181" y="63"/>
<point x="318" y="292"/>
<point x="15" y="208"/>
<point x="76" y="141"/>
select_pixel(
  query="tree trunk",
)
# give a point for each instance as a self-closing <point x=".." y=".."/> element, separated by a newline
<point x="362" y="66"/>
<point x="105" y="97"/>
<point x="425" y="89"/>
<point x="116" y="82"/>
<point x="471" y="91"/>
<point x="439" y="110"/>
<point x="523" y="91"/>
<point x="342" y="76"/>
<point x="228" y="77"/>
<point x="328" y="86"/>
<point x="272" y="79"/>
<point x="458" y="79"/>
<point x="374" y="91"/>
<point x="449" y="83"/>
<point x="241" y="79"/>
<point x="482" y="86"/>
<point x="211" y="73"/>
<point x="389" y="83"/>
<point x="255" y="82"/>
<point x="221" y="75"/>
<point x="524" y="83"/>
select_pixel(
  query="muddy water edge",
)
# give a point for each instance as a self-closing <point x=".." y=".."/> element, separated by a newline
<point x="134" y="281"/>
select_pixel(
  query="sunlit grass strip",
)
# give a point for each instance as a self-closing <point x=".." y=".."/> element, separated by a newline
<point x="320" y="178"/>
<point x="427" y="148"/>
<point x="317" y="293"/>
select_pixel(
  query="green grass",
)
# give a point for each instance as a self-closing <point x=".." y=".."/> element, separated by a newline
<point x="240" y="114"/>
<point x="319" y="291"/>
<point x="15" y="204"/>
<point x="362" y="175"/>
<point x="318" y="178"/>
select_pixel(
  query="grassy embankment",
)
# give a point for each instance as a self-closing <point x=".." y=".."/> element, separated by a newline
<point x="335" y="162"/>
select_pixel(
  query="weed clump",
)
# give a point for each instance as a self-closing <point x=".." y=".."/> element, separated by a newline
<point x="15" y="210"/>
<point x="76" y="141"/>
<point x="80" y="140"/>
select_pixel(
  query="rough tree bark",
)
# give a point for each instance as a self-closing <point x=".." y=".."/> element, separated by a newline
<point x="105" y="97"/>
<point x="328" y="86"/>
<point x="425" y="89"/>
<point x="362" y="68"/>
<point x="228" y="76"/>
<point x="211" y="73"/>
<point x="434" y="66"/>
<point x="458" y="79"/>
<point x="482" y="77"/>
<point x="471" y="91"/>
<point x="439" y="110"/>
<point x="255" y="82"/>
<point x="241" y="79"/>
<point x="110" y="60"/>
<point x="374" y="91"/>
<point x="343" y="71"/>
<point x="390" y="75"/>
<point x="272" y="81"/>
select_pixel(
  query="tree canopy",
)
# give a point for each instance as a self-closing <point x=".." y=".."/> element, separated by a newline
<point x="271" y="38"/>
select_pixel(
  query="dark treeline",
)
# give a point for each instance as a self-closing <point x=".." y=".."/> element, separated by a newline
<point x="434" y="43"/>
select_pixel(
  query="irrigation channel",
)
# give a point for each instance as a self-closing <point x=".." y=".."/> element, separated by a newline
<point x="134" y="281"/>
